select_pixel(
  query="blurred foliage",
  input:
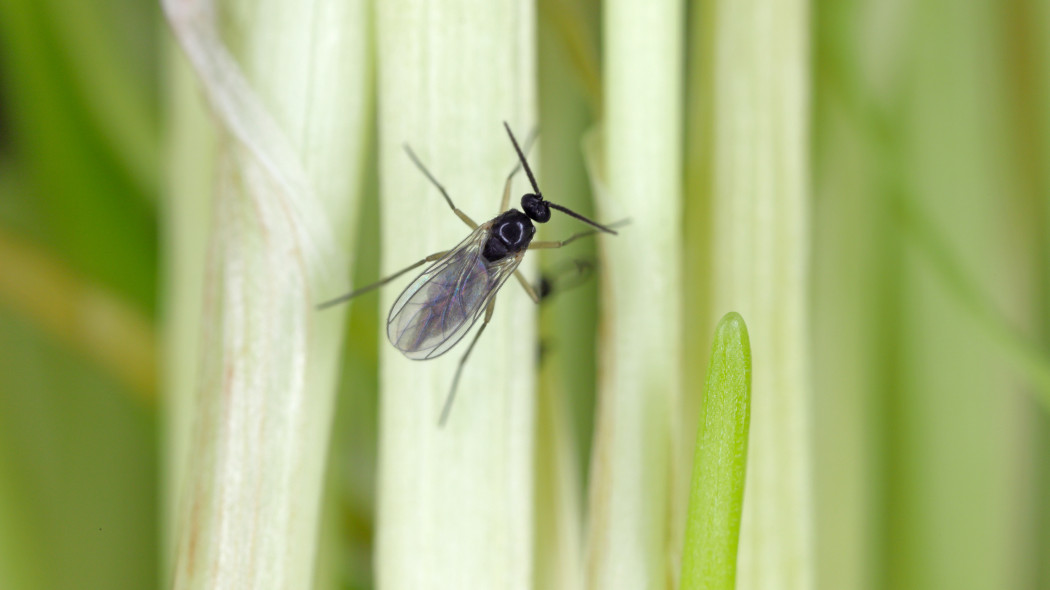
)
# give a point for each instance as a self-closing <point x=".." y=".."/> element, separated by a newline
<point x="79" y="162"/>
<point x="930" y="277"/>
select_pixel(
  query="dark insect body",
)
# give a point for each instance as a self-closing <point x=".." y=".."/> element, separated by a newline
<point x="437" y="309"/>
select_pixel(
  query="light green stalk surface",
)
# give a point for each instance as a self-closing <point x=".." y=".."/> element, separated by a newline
<point x="636" y="170"/>
<point x="715" y="501"/>
<point x="190" y="174"/>
<point x="455" y="503"/>
<point x="761" y="246"/>
<point x="290" y="115"/>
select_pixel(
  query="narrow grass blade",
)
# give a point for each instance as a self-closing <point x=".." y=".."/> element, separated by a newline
<point x="717" y="495"/>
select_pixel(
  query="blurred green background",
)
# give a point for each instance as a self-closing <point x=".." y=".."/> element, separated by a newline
<point x="930" y="279"/>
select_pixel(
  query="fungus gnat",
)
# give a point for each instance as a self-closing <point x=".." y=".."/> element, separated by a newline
<point x="437" y="309"/>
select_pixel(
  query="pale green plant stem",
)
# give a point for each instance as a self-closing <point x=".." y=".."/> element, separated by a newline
<point x="455" y="503"/>
<point x="761" y="240"/>
<point x="290" y="109"/>
<point x="558" y="506"/>
<point x="186" y="211"/>
<point x="697" y="259"/>
<point x="634" y="515"/>
<point x="717" y="493"/>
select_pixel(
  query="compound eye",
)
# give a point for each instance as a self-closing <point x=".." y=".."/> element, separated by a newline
<point x="535" y="208"/>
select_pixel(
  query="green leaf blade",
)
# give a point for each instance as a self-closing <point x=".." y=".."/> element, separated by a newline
<point x="717" y="491"/>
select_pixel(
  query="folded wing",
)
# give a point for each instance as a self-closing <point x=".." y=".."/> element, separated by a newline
<point x="438" y="308"/>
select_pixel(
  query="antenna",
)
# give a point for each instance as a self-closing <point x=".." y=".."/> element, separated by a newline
<point x="536" y="187"/>
<point x="524" y="162"/>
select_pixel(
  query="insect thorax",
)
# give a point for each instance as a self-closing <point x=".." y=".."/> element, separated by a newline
<point x="511" y="233"/>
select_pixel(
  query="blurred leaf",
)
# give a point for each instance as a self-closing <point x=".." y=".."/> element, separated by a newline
<point x="1030" y="359"/>
<point x="79" y="458"/>
<point x="93" y="322"/>
<point x="118" y="87"/>
<point x="90" y="199"/>
<point x="78" y="255"/>
<point x="856" y="286"/>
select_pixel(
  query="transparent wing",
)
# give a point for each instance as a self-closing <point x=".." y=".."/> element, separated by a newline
<point x="434" y="312"/>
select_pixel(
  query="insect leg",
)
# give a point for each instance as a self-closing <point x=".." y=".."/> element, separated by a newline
<point x="462" y="361"/>
<point x="380" y="283"/>
<point x="415" y="160"/>
<point x="559" y="244"/>
<point x="546" y="287"/>
<point x="505" y="203"/>
<point x="576" y="236"/>
<point x="525" y="285"/>
<point x="555" y="281"/>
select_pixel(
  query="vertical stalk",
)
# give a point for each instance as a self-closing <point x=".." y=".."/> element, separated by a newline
<point x="455" y="504"/>
<point x="696" y="216"/>
<point x="855" y="293"/>
<point x="187" y="219"/>
<point x="761" y="241"/>
<point x="290" y="99"/>
<point x="960" y="428"/>
<point x="636" y="168"/>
